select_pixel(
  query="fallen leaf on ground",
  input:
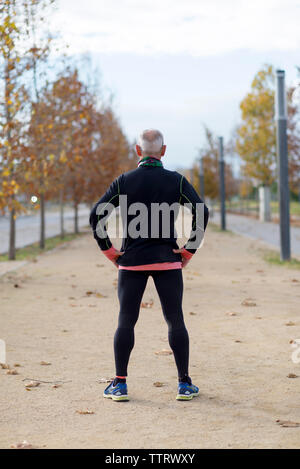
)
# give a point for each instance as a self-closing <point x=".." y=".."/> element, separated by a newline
<point x="292" y="375"/>
<point x="89" y="293"/>
<point x="193" y="314"/>
<point x="287" y="423"/>
<point x="45" y="363"/>
<point x="147" y="304"/>
<point x="16" y="285"/>
<point x="258" y="317"/>
<point x="85" y="412"/>
<point x="164" y="352"/>
<point x="295" y="280"/>
<point x="4" y="366"/>
<point x="158" y="384"/>
<point x="238" y="341"/>
<point x="295" y="342"/>
<point x="17" y="365"/>
<point x="248" y="302"/>
<point x="290" y="323"/>
<point x="12" y="372"/>
<point x="55" y="386"/>
<point x="105" y="380"/>
<point x="231" y="314"/>
<point x="32" y="384"/>
<point x="23" y="445"/>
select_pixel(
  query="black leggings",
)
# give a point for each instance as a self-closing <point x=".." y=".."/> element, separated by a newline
<point x="131" y="287"/>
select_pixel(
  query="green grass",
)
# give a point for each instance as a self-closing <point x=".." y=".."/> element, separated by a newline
<point x="294" y="208"/>
<point x="273" y="257"/>
<point x="33" y="250"/>
<point x="251" y="206"/>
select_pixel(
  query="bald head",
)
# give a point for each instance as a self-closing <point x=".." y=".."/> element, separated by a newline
<point x="151" y="143"/>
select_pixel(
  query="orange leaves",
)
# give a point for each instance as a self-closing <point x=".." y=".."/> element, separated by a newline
<point x="57" y="138"/>
<point x="63" y="158"/>
<point x="5" y="173"/>
<point x="209" y="154"/>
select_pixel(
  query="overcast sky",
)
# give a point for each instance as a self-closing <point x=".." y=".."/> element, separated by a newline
<point x="178" y="64"/>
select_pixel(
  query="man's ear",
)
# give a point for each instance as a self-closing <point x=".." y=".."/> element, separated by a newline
<point x="163" y="150"/>
<point x="138" y="150"/>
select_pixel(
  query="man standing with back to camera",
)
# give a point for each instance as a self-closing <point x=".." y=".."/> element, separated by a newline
<point x="156" y="255"/>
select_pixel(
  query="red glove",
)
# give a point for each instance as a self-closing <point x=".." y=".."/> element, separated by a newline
<point x="112" y="254"/>
<point x="185" y="255"/>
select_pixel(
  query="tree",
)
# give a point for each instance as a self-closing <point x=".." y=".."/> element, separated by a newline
<point x="12" y="144"/>
<point x="210" y="159"/>
<point x="293" y="130"/>
<point x="256" y="137"/>
<point x="35" y="14"/>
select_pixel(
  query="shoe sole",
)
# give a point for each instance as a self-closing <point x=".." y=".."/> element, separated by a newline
<point x="116" y="398"/>
<point x="182" y="397"/>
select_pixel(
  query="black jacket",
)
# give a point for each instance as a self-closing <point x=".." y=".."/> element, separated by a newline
<point x="148" y="185"/>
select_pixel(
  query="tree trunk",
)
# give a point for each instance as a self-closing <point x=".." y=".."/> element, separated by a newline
<point x="76" y="228"/>
<point x="42" y="225"/>
<point x="12" y="236"/>
<point x="61" y="204"/>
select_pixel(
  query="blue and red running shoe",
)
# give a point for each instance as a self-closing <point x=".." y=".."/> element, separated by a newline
<point x="117" y="392"/>
<point x="187" y="391"/>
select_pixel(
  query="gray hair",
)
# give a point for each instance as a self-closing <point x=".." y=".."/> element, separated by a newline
<point x="151" y="142"/>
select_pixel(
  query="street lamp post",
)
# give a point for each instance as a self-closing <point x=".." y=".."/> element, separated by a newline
<point x="192" y="176"/>
<point x="222" y="183"/>
<point x="282" y="162"/>
<point x="201" y="179"/>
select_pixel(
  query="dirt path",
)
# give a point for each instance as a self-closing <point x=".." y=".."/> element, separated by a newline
<point x="240" y="362"/>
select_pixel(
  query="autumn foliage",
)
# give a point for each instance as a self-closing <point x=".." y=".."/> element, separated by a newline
<point x="256" y="136"/>
<point x="209" y="153"/>
<point x="57" y="140"/>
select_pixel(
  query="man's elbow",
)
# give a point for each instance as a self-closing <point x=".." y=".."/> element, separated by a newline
<point x="92" y="216"/>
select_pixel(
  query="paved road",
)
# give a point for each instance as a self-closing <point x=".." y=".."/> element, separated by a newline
<point x="27" y="227"/>
<point x="263" y="231"/>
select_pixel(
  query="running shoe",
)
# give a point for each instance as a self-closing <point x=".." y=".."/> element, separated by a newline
<point x="117" y="392"/>
<point x="186" y="392"/>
